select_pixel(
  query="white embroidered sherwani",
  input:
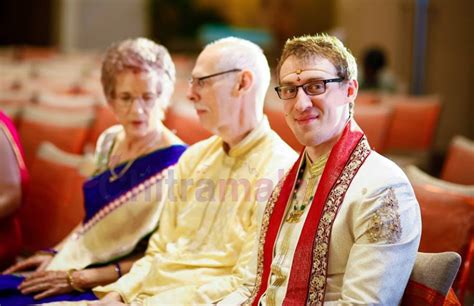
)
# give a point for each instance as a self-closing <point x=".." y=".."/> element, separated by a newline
<point x="362" y="254"/>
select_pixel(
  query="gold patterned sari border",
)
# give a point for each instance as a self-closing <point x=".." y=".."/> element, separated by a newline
<point x="113" y="205"/>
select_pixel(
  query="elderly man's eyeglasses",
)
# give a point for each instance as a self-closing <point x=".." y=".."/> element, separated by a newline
<point x="312" y="88"/>
<point x="200" y="81"/>
<point x="147" y="100"/>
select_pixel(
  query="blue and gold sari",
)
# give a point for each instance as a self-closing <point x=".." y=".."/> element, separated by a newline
<point x="120" y="213"/>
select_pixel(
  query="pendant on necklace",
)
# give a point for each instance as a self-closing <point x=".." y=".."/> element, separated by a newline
<point x="295" y="216"/>
<point x="113" y="178"/>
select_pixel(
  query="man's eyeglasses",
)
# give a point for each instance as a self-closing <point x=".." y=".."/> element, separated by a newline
<point x="147" y="100"/>
<point x="312" y="88"/>
<point x="200" y="81"/>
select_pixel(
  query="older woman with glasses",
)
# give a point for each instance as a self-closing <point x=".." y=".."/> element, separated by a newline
<point x="123" y="199"/>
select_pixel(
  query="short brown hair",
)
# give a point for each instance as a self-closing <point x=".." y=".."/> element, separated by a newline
<point x="324" y="46"/>
<point x="137" y="54"/>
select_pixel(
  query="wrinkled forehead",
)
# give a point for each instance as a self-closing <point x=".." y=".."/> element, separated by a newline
<point x="295" y="69"/>
<point x="141" y="74"/>
<point x="133" y="78"/>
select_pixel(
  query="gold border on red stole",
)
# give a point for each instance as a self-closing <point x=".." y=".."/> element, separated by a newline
<point x="317" y="286"/>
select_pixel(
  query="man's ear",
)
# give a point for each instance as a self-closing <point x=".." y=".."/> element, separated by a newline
<point x="352" y="88"/>
<point x="245" y="81"/>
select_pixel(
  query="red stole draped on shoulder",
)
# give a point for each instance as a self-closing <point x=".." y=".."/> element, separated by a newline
<point x="307" y="279"/>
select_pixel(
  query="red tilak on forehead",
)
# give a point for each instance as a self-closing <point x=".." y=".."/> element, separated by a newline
<point x="299" y="71"/>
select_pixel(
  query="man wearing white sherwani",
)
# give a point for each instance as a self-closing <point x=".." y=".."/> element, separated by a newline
<point x="343" y="227"/>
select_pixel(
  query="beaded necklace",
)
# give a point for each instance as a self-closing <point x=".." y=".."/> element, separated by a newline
<point x="315" y="170"/>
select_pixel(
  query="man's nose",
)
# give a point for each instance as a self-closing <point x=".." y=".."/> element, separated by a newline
<point x="303" y="101"/>
<point x="191" y="94"/>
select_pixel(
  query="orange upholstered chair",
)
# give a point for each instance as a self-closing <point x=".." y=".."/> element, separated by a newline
<point x="186" y="126"/>
<point x="447" y="212"/>
<point x="54" y="201"/>
<point x="104" y="118"/>
<point x="68" y="130"/>
<point x="375" y="121"/>
<point x="459" y="164"/>
<point x="414" y="122"/>
<point x="367" y="98"/>
<point x="12" y="103"/>
<point x="278" y="124"/>
<point x="80" y="101"/>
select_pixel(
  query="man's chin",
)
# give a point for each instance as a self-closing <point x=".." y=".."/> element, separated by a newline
<point x="308" y="140"/>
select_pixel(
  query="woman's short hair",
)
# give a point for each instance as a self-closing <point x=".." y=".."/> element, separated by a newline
<point x="138" y="54"/>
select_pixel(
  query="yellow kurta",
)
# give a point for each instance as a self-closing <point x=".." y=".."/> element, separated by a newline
<point x="203" y="249"/>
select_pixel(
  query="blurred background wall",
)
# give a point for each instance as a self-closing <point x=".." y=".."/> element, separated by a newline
<point x="446" y="62"/>
<point x="448" y="56"/>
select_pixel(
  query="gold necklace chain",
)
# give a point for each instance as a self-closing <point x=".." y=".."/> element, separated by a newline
<point x="115" y="176"/>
